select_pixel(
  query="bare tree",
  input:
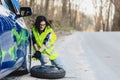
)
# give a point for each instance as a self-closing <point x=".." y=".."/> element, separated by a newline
<point x="46" y="7"/>
<point x="108" y="17"/>
<point x="99" y="20"/>
<point x="94" y="2"/>
<point x="116" y="21"/>
<point x="69" y="13"/>
<point x="64" y="7"/>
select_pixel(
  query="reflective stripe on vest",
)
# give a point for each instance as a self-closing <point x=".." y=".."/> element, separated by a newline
<point x="40" y="39"/>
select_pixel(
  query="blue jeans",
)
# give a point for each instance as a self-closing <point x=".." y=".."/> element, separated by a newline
<point x="43" y="62"/>
<point x="57" y="62"/>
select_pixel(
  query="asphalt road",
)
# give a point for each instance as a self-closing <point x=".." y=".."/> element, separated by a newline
<point x="87" y="56"/>
<point x="103" y="53"/>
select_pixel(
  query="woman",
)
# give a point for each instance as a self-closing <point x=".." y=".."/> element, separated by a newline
<point x="43" y="38"/>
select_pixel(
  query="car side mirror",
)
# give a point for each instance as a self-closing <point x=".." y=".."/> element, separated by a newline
<point x="25" y="11"/>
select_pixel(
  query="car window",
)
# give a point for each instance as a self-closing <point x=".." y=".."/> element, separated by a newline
<point x="9" y="5"/>
<point x="16" y="4"/>
<point x="12" y="5"/>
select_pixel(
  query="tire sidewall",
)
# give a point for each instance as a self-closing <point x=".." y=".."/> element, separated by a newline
<point x="47" y="72"/>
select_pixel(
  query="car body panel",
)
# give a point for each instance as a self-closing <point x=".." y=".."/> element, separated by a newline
<point x="13" y="40"/>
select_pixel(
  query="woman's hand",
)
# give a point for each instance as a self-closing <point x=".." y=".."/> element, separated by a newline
<point x="36" y="47"/>
<point x="37" y="54"/>
<point x="42" y="48"/>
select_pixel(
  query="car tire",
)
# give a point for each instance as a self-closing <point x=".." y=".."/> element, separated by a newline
<point x="47" y="72"/>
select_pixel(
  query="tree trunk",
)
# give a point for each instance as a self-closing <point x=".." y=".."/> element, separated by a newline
<point x="69" y="14"/>
<point x="108" y="18"/>
<point x="116" y="21"/>
<point x="46" y="7"/>
<point x="64" y="7"/>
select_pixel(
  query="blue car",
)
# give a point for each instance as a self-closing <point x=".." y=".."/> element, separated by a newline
<point x="15" y="42"/>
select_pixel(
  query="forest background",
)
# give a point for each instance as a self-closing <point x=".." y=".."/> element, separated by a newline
<point x="82" y="15"/>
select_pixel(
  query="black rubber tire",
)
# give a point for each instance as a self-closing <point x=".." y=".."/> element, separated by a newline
<point x="47" y="72"/>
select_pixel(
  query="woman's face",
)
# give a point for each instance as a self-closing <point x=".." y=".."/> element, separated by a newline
<point x="42" y="25"/>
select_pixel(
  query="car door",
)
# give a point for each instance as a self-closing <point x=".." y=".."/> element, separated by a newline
<point x="0" y="35"/>
<point x="7" y="40"/>
<point x="1" y="27"/>
<point x="0" y="58"/>
<point x="13" y="37"/>
<point x="8" y="49"/>
<point x="18" y="30"/>
<point x="17" y="35"/>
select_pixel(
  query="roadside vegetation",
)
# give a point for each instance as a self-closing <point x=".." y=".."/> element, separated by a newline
<point x="87" y="15"/>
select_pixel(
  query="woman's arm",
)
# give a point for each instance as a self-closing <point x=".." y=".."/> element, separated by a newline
<point x="46" y="41"/>
<point x="34" y="43"/>
<point x="35" y="47"/>
<point x="42" y="48"/>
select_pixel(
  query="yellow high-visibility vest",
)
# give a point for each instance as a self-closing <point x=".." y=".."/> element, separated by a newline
<point x="40" y="39"/>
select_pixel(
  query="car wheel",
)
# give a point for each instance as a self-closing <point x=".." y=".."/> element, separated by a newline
<point x="47" y="72"/>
